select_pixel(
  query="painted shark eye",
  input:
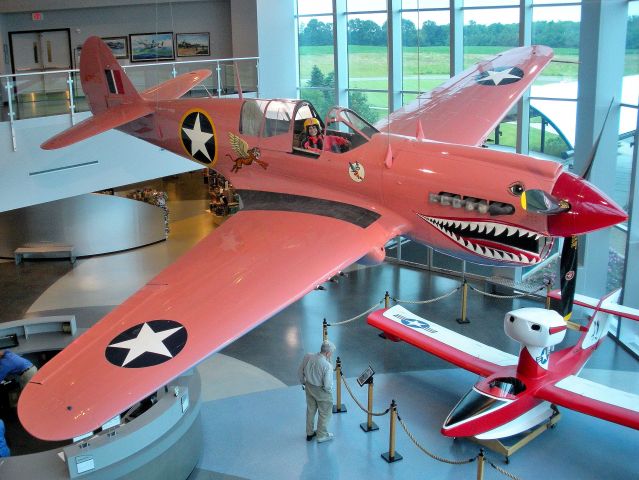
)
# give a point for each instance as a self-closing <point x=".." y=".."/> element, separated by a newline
<point x="517" y="189"/>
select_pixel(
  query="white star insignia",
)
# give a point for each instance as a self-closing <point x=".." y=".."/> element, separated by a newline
<point x="198" y="138"/>
<point x="146" y="341"/>
<point x="498" y="77"/>
<point x="414" y="324"/>
<point x="229" y="242"/>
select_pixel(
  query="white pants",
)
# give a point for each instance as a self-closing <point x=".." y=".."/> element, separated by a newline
<point x="318" y="400"/>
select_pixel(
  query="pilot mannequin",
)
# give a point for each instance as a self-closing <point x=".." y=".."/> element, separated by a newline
<point x="315" y="141"/>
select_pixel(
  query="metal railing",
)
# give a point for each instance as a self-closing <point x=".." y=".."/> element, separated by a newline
<point x="38" y="94"/>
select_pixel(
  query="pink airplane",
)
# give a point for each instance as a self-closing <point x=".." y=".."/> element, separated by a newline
<point x="516" y="393"/>
<point x="306" y="215"/>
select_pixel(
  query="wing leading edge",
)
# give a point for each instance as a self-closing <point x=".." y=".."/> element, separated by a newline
<point x="457" y="349"/>
<point x="470" y="105"/>
<point x="254" y="265"/>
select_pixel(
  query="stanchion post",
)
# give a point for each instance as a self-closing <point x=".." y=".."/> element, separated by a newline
<point x="369" y="425"/>
<point x="339" y="407"/>
<point x="324" y="330"/>
<point x="464" y="304"/>
<point x="392" y="455"/>
<point x="386" y="300"/>
<point x="480" y="465"/>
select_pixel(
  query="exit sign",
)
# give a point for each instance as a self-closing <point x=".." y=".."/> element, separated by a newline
<point x="36" y="16"/>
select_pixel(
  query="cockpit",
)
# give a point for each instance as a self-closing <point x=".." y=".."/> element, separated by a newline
<point x="485" y="397"/>
<point x="474" y="404"/>
<point x="295" y="126"/>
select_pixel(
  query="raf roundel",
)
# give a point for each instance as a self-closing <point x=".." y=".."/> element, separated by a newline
<point x="197" y="134"/>
<point x="500" y="76"/>
<point x="147" y="344"/>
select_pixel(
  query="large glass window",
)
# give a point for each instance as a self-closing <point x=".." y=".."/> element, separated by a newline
<point x="554" y="94"/>
<point x="425" y="49"/>
<point x="484" y="37"/>
<point x="368" y="63"/>
<point x="557" y="26"/>
<point x="316" y="53"/>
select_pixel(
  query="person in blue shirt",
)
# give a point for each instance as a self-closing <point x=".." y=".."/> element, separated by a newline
<point x="19" y="367"/>
<point x="4" y="450"/>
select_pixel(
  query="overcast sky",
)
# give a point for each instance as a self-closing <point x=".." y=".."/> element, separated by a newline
<point x="482" y="16"/>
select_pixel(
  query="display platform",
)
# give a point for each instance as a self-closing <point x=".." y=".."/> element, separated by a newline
<point x="261" y="435"/>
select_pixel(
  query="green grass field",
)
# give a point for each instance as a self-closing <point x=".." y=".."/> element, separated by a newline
<point x="368" y="65"/>
<point x="427" y="67"/>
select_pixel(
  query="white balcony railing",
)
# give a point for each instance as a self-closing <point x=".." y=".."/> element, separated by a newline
<point x="38" y="94"/>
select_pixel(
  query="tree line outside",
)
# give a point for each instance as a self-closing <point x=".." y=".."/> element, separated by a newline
<point x="426" y="61"/>
<point x="560" y="34"/>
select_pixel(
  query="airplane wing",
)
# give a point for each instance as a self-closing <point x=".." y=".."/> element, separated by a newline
<point x="441" y="342"/>
<point x="113" y="117"/>
<point x="176" y="87"/>
<point x="594" y="399"/>
<point x="468" y="107"/>
<point x="245" y="271"/>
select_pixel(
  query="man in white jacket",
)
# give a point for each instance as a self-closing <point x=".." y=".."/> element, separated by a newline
<point x="316" y="376"/>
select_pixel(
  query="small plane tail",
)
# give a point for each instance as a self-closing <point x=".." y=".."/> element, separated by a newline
<point x="103" y="80"/>
<point x="113" y="99"/>
<point x="598" y="323"/>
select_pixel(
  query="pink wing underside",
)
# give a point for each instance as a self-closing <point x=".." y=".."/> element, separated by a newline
<point x="245" y="271"/>
<point x="464" y="111"/>
<point x="594" y="399"/>
<point x="443" y="343"/>
<point x="114" y="117"/>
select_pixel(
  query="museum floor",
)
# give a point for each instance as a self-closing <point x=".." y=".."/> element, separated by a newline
<point x="253" y="410"/>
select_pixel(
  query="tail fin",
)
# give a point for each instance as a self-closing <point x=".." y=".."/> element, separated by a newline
<point x="103" y="80"/>
<point x="598" y="324"/>
<point x="112" y="97"/>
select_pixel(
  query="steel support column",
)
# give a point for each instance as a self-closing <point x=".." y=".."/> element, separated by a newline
<point x="456" y="37"/>
<point x="395" y="64"/>
<point x="602" y="48"/>
<point x="340" y="51"/>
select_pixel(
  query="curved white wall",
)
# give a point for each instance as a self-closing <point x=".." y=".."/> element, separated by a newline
<point x="92" y="223"/>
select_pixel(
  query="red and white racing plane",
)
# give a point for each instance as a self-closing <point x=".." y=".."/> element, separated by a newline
<point x="517" y="392"/>
<point x="305" y="216"/>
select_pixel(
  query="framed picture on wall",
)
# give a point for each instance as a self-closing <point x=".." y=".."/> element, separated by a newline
<point x="119" y="46"/>
<point x="192" y="44"/>
<point x="146" y="47"/>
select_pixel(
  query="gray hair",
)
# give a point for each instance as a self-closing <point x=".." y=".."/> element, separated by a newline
<point x="327" y="347"/>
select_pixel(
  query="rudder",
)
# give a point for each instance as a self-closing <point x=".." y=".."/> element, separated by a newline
<point x="103" y="80"/>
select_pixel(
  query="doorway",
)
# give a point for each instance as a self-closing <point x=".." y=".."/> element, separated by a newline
<point x="40" y="51"/>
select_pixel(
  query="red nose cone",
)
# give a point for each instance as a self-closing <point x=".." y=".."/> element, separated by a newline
<point x="590" y="208"/>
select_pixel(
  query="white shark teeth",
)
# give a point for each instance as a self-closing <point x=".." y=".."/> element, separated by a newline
<point x="456" y="229"/>
<point x="499" y="229"/>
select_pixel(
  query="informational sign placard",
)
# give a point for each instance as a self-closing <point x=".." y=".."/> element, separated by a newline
<point x="365" y="376"/>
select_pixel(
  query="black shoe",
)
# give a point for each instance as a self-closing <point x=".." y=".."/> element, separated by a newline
<point x="310" y="437"/>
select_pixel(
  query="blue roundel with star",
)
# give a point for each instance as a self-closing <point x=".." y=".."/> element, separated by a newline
<point x="500" y="76"/>
<point x="415" y="323"/>
<point x="147" y="344"/>
<point x="197" y="135"/>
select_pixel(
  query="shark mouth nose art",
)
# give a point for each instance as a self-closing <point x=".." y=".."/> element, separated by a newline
<point x="495" y="241"/>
